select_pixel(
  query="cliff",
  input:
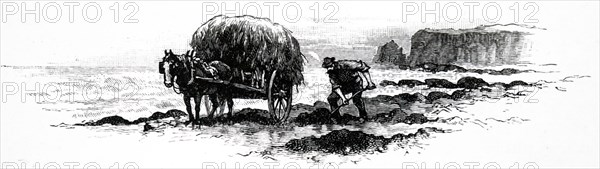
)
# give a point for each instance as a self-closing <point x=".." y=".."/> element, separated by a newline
<point x="483" y="45"/>
<point x="390" y="53"/>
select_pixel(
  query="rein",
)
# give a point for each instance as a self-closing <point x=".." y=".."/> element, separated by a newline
<point x="187" y="65"/>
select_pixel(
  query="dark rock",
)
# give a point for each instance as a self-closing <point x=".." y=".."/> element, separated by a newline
<point x="479" y="71"/>
<point x="485" y="89"/>
<point x="416" y="118"/>
<point x="497" y="84"/>
<point x="420" y="132"/>
<point x="114" y="120"/>
<point x="397" y="115"/>
<point x="517" y="83"/>
<point x="448" y="68"/>
<point x="148" y="127"/>
<point x="511" y="84"/>
<point x="505" y="71"/>
<point x="459" y="94"/>
<point x="118" y="120"/>
<point x="410" y="82"/>
<point x="321" y="104"/>
<point x="381" y="118"/>
<point x="380" y="99"/>
<point x="387" y="83"/>
<point x="176" y="113"/>
<point x="301" y="107"/>
<point x="403" y="67"/>
<point x="440" y="83"/>
<point x="420" y="97"/>
<point x="432" y="67"/>
<point x="471" y="82"/>
<point x="347" y="119"/>
<point x="319" y="116"/>
<point x="435" y="95"/>
<point x="251" y="115"/>
<point x="400" y="99"/>
<point x="158" y="115"/>
<point x="140" y="120"/>
<point x="403" y="98"/>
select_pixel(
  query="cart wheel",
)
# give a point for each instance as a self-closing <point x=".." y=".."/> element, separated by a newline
<point x="280" y="100"/>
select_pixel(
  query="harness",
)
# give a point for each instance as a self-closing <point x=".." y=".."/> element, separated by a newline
<point x="187" y="65"/>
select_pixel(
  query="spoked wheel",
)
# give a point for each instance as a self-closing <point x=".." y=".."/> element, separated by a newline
<point x="280" y="100"/>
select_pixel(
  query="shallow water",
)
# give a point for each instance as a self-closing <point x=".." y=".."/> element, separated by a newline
<point x="94" y="92"/>
<point x="91" y="93"/>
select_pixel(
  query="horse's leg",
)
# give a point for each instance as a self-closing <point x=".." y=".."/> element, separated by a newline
<point x="230" y="105"/>
<point x="214" y="99"/>
<point x="188" y="108"/>
<point x="197" y="102"/>
<point x="222" y="105"/>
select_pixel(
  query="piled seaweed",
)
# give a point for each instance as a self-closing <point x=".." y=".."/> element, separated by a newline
<point x="434" y="68"/>
<point x="323" y="116"/>
<point x="468" y="82"/>
<point x="347" y="142"/>
<point x="250" y="43"/>
<point x="118" y="120"/>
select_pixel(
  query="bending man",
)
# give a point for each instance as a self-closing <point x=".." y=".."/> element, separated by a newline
<point x="347" y="76"/>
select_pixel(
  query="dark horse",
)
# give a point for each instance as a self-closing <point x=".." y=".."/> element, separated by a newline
<point x="182" y="70"/>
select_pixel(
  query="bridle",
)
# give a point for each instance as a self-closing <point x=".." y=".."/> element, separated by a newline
<point x="172" y="62"/>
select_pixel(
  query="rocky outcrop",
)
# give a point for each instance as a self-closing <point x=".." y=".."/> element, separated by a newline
<point x="390" y="53"/>
<point x="483" y="45"/>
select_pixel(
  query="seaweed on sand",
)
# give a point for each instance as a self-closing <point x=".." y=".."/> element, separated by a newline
<point x="347" y="142"/>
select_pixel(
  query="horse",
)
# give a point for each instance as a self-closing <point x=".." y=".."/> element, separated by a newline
<point x="182" y="70"/>
<point x="218" y="71"/>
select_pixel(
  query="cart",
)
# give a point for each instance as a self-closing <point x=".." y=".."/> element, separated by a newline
<point x="264" y="56"/>
<point x="279" y="97"/>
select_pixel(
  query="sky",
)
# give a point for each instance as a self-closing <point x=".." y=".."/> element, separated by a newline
<point x="159" y="25"/>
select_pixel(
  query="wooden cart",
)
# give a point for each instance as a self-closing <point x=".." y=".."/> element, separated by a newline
<point x="265" y="51"/>
<point x="279" y="96"/>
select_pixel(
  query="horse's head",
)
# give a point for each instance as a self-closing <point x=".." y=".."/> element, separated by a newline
<point x="172" y="65"/>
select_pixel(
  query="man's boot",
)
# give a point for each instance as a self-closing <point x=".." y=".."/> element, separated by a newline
<point x="371" y="86"/>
